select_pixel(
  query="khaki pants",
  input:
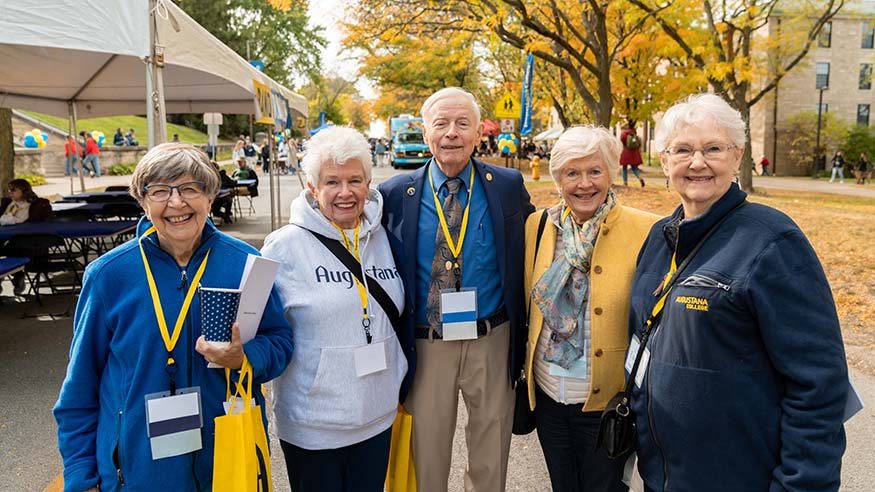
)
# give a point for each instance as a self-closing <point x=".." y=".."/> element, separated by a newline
<point x="477" y="368"/>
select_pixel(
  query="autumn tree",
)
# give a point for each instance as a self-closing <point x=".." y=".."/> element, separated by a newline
<point x="329" y="94"/>
<point x="728" y="45"/>
<point x="799" y="133"/>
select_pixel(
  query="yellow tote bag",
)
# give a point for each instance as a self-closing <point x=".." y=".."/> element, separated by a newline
<point x="241" y="459"/>
<point x="401" y="475"/>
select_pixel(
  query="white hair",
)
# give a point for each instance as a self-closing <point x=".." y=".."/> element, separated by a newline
<point x="585" y="141"/>
<point x="696" y="109"/>
<point x="337" y="146"/>
<point x="445" y="93"/>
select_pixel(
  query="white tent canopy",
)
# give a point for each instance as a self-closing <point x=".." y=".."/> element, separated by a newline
<point x="551" y="134"/>
<point x="92" y="52"/>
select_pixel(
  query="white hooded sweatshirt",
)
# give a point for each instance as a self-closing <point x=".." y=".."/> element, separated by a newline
<point x="319" y="402"/>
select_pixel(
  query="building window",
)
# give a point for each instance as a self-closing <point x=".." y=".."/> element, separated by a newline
<point x="868" y="39"/>
<point x="865" y="76"/>
<point x="824" y="39"/>
<point x="822" y="75"/>
<point x="863" y="114"/>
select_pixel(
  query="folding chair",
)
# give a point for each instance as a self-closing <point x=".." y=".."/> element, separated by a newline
<point x="49" y="255"/>
<point x="122" y="211"/>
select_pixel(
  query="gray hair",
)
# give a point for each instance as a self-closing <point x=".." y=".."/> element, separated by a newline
<point x="696" y="109"/>
<point x="336" y="145"/>
<point x="170" y="161"/>
<point x="585" y="141"/>
<point x="445" y="93"/>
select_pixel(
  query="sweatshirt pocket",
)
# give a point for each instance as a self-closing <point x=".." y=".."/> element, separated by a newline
<point x="699" y="280"/>
<point x="339" y="399"/>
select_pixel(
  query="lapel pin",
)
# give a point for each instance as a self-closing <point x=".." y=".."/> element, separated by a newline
<point x="488" y="176"/>
<point x="411" y="191"/>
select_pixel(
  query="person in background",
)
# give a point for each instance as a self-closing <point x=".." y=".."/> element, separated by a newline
<point x="119" y="138"/>
<point x="71" y="156"/>
<point x="20" y="205"/>
<point x="379" y="152"/>
<point x="579" y="278"/>
<point x="864" y="169"/>
<point x="838" y="167"/>
<point x="243" y="171"/>
<point x="250" y="152"/>
<point x="437" y="257"/>
<point x="131" y="344"/>
<point x="265" y="156"/>
<point x="764" y="165"/>
<point x="334" y="417"/>
<point x="92" y="159"/>
<point x="131" y="139"/>
<point x="744" y="383"/>
<point x="237" y="152"/>
<point x="224" y="203"/>
<point x="631" y="155"/>
<point x="175" y="138"/>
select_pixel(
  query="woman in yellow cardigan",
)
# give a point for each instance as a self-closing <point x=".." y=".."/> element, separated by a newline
<point x="578" y="275"/>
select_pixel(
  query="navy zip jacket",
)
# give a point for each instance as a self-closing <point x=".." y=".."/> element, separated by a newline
<point x="747" y="379"/>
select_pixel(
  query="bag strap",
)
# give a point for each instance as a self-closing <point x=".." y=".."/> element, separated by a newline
<point x="541" y="224"/>
<point x="667" y="284"/>
<point x="355" y="267"/>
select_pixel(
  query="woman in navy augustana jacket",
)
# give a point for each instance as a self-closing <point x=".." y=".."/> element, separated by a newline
<point x="744" y="380"/>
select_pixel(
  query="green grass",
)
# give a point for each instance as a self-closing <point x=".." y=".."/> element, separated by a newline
<point x="108" y="126"/>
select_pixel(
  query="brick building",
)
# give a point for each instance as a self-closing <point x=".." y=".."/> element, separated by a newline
<point x="842" y="62"/>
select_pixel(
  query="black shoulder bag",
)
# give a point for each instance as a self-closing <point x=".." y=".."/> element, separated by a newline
<point x="355" y="267"/>
<point x="523" y="416"/>
<point x="617" y="433"/>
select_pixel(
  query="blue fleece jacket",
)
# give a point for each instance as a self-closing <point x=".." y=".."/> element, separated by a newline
<point x="118" y="356"/>
<point x="747" y="379"/>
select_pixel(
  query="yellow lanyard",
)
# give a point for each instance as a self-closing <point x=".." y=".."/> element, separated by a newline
<point x="170" y="340"/>
<point x="455" y="249"/>
<point x="657" y="308"/>
<point x="353" y="248"/>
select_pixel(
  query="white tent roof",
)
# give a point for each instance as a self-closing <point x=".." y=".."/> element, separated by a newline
<point x="92" y="52"/>
<point x="551" y="134"/>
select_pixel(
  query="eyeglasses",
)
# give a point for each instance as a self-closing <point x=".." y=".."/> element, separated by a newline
<point x="685" y="153"/>
<point x="189" y="190"/>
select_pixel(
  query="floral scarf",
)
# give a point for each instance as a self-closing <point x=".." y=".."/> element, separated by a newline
<point x="561" y="292"/>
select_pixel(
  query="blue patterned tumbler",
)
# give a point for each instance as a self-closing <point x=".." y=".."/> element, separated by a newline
<point x="218" y="313"/>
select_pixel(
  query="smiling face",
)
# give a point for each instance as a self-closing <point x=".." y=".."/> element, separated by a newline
<point x="179" y="222"/>
<point x="341" y="192"/>
<point x="700" y="182"/>
<point x="451" y="132"/>
<point x="584" y="183"/>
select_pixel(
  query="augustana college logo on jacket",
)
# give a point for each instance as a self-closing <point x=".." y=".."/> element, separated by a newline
<point x="693" y="303"/>
<point x="345" y="276"/>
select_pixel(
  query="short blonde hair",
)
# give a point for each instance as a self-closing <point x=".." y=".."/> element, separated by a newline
<point x="585" y="141"/>
<point x="170" y="161"/>
<point x="336" y="145"/>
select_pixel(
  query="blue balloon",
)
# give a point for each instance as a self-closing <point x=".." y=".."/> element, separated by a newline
<point x="46" y="137"/>
<point x="30" y="141"/>
<point x="100" y="140"/>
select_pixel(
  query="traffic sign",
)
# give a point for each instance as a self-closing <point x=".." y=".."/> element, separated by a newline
<point x="507" y="125"/>
<point x="507" y="107"/>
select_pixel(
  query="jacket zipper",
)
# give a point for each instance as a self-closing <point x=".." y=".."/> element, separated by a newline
<point x="650" y="412"/>
<point x="696" y="280"/>
<point x="118" y="453"/>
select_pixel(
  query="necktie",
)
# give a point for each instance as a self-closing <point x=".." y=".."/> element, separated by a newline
<point x="443" y="275"/>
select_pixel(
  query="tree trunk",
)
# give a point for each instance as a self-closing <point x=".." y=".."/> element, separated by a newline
<point x="7" y="150"/>
<point x="746" y="169"/>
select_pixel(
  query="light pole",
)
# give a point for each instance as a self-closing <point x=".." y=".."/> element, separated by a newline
<point x="817" y="141"/>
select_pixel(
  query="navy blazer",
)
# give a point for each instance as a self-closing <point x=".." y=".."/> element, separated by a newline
<point x="509" y="205"/>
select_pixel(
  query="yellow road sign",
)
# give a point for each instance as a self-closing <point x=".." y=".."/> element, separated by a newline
<point x="507" y="107"/>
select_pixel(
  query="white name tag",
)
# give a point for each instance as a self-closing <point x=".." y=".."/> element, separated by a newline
<point x="576" y="371"/>
<point x="370" y="359"/>
<point x="634" y="345"/>
<point x="459" y="314"/>
<point x="174" y="422"/>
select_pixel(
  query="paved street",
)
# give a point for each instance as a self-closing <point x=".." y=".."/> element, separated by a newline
<point x="34" y="353"/>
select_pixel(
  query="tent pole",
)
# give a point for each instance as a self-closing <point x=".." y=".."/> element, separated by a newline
<point x="155" y="82"/>
<point x="271" y="171"/>
<point x="71" y="110"/>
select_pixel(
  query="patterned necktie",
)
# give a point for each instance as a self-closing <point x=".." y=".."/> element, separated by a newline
<point x="443" y="275"/>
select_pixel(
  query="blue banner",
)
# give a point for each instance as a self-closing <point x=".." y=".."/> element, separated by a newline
<point x="526" y="110"/>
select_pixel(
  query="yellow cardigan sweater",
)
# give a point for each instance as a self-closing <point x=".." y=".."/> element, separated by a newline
<point x="610" y="281"/>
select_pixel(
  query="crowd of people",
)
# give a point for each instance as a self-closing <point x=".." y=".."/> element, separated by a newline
<point x="717" y="322"/>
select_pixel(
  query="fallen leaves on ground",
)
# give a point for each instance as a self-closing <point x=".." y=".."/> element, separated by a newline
<point x="839" y="227"/>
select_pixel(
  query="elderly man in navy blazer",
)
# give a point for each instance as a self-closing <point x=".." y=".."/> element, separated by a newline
<point x="456" y="228"/>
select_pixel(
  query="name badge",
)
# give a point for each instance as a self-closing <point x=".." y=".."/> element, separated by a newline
<point x="459" y="314"/>
<point x="370" y="359"/>
<point x="634" y="345"/>
<point x="174" y="422"/>
<point x="576" y="371"/>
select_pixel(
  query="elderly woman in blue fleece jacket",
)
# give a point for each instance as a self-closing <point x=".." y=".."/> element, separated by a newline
<point x="137" y="333"/>
<point x="747" y="380"/>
